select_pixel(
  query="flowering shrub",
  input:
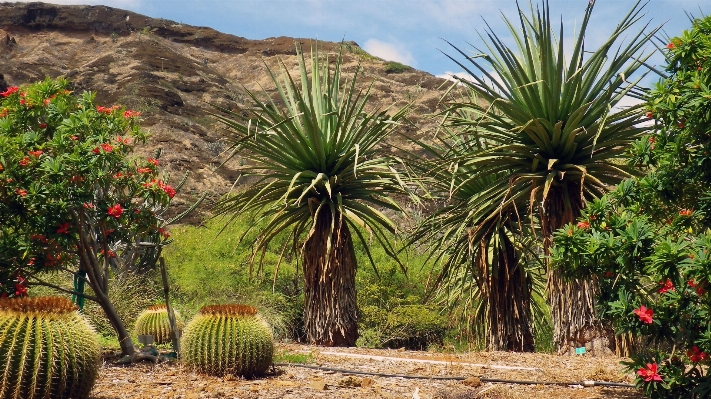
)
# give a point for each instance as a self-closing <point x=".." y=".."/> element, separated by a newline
<point x="71" y="197"/>
<point x="648" y="243"/>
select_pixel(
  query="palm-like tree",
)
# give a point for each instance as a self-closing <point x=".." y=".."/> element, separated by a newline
<point x="553" y="134"/>
<point x="320" y="176"/>
<point x="481" y="258"/>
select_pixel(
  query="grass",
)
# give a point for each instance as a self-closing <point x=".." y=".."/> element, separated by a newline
<point x="396" y="67"/>
<point x="285" y="356"/>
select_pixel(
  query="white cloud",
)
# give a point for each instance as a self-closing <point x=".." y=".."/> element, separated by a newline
<point x="449" y="75"/>
<point x="389" y="51"/>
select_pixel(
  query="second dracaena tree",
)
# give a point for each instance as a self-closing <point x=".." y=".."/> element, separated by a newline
<point x="553" y="133"/>
<point x="321" y="176"/>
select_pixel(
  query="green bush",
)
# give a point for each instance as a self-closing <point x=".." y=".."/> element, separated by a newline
<point x="410" y="326"/>
<point x="47" y="350"/>
<point x="396" y="67"/>
<point x="228" y="339"/>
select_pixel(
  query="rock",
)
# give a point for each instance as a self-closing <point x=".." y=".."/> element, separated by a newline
<point x="367" y="382"/>
<point x="318" y="385"/>
<point x="472" y="382"/>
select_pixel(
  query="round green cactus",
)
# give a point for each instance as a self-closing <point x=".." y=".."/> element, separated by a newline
<point x="47" y="350"/>
<point x="154" y="321"/>
<point x="228" y="339"/>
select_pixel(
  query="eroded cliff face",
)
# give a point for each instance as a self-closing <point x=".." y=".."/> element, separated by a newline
<point x="173" y="72"/>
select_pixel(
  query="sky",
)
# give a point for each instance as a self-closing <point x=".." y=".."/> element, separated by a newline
<point x="412" y="32"/>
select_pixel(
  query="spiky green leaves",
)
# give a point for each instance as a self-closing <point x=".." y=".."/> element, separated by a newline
<point x="154" y="321"/>
<point x="47" y="350"/>
<point x="228" y="339"/>
<point x="320" y="149"/>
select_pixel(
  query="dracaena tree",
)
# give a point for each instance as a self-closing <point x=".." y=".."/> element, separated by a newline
<point x="71" y="197"/>
<point x="321" y="175"/>
<point x="482" y="256"/>
<point x="553" y="134"/>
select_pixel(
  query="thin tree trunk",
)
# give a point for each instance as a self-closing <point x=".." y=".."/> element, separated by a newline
<point x="572" y="303"/>
<point x="174" y="331"/>
<point x="331" y="312"/>
<point x="509" y="309"/>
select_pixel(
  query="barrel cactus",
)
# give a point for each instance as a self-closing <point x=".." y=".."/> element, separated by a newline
<point x="47" y="350"/>
<point x="154" y="321"/>
<point x="228" y="339"/>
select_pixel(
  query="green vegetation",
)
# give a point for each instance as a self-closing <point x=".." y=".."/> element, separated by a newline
<point x="228" y="339"/>
<point x="285" y="356"/>
<point x="396" y="67"/>
<point x="49" y="334"/>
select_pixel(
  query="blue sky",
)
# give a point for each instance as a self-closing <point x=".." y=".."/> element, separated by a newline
<point x="407" y="31"/>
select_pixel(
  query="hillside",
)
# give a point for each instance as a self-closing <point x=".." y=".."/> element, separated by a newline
<point x="172" y="72"/>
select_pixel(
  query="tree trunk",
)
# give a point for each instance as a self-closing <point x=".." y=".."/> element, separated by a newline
<point x="124" y="337"/>
<point x="572" y="302"/>
<point x="509" y="308"/>
<point x="331" y="312"/>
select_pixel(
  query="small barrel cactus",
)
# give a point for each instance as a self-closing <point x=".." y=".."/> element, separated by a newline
<point x="47" y="350"/>
<point x="154" y="321"/>
<point x="228" y="339"/>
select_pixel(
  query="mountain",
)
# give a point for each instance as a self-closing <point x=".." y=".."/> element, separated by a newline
<point x="172" y="72"/>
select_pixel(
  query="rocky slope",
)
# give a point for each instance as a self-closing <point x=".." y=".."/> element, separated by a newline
<point x="172" y="72"/>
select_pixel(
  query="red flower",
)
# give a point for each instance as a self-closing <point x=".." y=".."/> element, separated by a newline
<point x="645" y="314"/>
<point x="153" y="161"/>
<point x="47" y="101"/>
<point x="609" y="274"/>
<point x="21" y="192"/>
<point x="63" y="228"/>
<point x="9" y="91"/>
<point x="43" y="125"/>
<point x="1" y="168"/>
<point x="163" y="232"/>
<point x="666" y="286"/>
<point x="671" y="46"/>
<point x="115" y="211"/>
<point x="650" y="373"/>
<point x="88" y="205"/>
<point x="77" y="179"/>
<point x="649" y="114"/>
<point x="75" y="137"/>
<point x="35" y="153"/>
<point x="24" y="161"/>
<point x="652" y="139"/>
<point x="144" y="170"/>
<point x="111" y="254"/>
<point x="103" y="110"/>
<point x="168" y="189"/>
<point x="3" y="113"/>
<point x="130" y="114"/>
<point x="583" y="225"/>
<point x="686" y="212"/>
<point x="107" y="147"/>
<point x="696" y="355"/>
<point x="96" y="150"/>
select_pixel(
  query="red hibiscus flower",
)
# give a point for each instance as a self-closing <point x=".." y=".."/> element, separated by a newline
<point x="115" y="211"/>
<point x="649" y="373"/>
<point x="696" y="355"/>
<point x="644" y="314"/>
<point x="583" y="225"/>
<point x="63" y="228"/>
<point x="9" y="91"/>
<point x="666" y="286"/>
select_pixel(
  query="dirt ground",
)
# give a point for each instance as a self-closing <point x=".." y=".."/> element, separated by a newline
<point x="146" y="380"/>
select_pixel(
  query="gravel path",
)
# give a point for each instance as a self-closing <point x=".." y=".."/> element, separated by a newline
<point x="145" y="380"/>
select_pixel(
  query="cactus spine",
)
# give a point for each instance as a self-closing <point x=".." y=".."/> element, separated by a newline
<point x="154" y="321"/>
<point x="47" y="350"/>
<point x="228" y="339"/>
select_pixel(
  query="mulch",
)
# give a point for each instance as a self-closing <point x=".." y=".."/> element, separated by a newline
<point x="172" y="380"/>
